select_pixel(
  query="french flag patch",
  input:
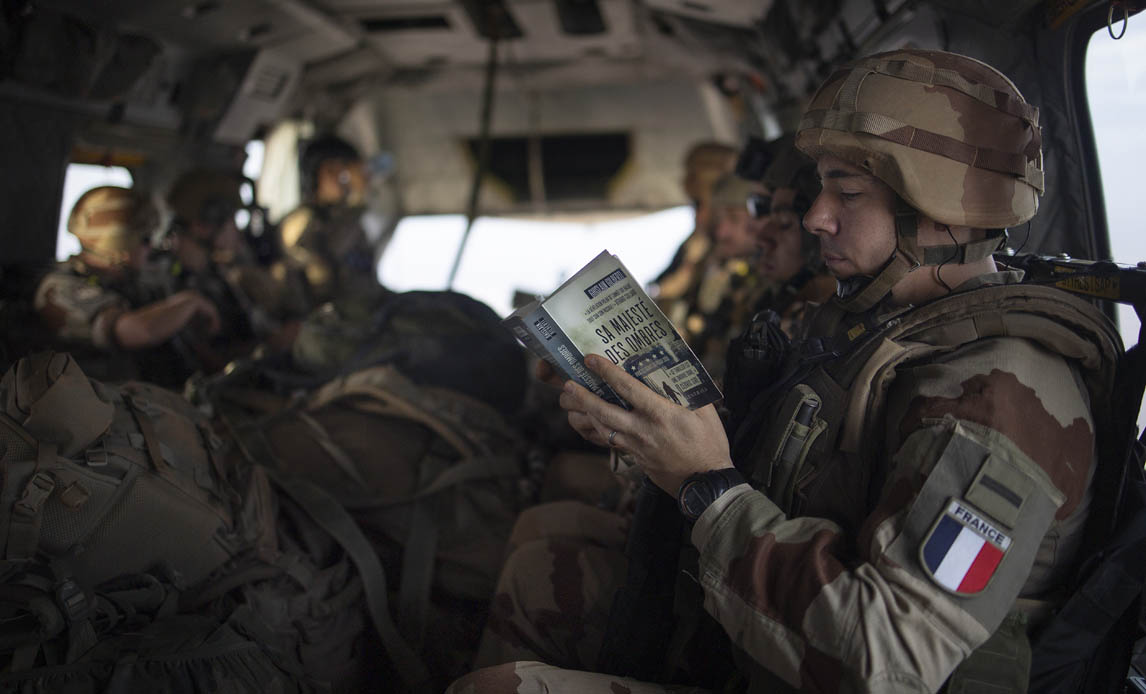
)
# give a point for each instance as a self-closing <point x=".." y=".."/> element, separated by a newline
<point x="963" y="549"/>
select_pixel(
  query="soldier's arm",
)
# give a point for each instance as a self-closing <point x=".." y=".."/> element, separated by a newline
<point x="996" y="447"/>
<point x="156" y="323"/>
<point x="74" y="308"/>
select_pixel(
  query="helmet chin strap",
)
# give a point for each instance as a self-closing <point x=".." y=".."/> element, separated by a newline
<point x="860" y="293"/>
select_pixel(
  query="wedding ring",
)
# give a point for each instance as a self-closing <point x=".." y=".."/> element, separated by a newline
<point x="611" y="437"/>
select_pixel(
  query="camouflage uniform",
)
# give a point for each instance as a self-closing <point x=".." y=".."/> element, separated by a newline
<point x="810" y="581"/>
<point x="927" y="513"/>
<point x="327" y="249"/>
<point x="79" y="311"/>
<point x="675" y="288"/>
<point x="78" y="306"/>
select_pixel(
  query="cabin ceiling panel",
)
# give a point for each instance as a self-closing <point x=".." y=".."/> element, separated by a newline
<point x="436" y="34"/>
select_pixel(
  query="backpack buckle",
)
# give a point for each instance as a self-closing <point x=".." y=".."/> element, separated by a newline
<point x="38" y="489"/>
<point x="96" y="456"/>
<point x="72" y="600"/>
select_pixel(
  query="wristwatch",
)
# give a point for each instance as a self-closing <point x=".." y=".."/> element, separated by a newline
<point x="701" y="489"/>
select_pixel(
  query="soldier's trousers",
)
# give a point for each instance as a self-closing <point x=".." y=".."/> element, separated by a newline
<point x="549" y="613"/>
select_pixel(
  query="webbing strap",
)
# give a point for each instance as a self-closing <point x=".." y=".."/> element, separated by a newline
<point x="486" y="467"/>
<point x="150" y="438"/>
<point x="893" y="130"/>
<point x="904" y="260"/>
<point x="333" y="518"/>
<point x="340" y="457"/>
<point x="418" y="556"/>
<point x="28" y="512"/>
<point x="959" y="254"/>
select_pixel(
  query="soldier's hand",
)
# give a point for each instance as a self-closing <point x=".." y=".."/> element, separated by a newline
<point x="206" y="314"/>
<point x="668" y="441"/>
<point x="545" y="373"/>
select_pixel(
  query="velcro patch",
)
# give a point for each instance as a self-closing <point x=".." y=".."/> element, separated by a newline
<point x="963" y="549"/>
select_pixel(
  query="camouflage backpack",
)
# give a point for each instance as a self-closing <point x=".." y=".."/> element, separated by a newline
<point x="435" y="480"/>
<point x="437" y="339"/>
<point x="135" y="558"/>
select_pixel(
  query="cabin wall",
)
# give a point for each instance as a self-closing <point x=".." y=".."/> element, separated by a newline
<point x="36" y="142"/>
<point x="426" y="131"/>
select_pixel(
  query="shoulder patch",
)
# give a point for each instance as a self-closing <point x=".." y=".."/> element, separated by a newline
<point x="963" y="549"/>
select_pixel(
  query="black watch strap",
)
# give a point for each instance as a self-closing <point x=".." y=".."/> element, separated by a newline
<point x="701" y="489"/>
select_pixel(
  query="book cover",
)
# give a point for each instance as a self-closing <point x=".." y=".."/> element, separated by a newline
<point x="603" y="310"/>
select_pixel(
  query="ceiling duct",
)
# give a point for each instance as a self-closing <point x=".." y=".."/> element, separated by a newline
<point x="261" y="97"/>
<point x="572" y="168"/>
<point x="741" y="13"/>
<point x="415" y="23"/>
<point x="580" y="17"/>
<point x="492" y="18"/>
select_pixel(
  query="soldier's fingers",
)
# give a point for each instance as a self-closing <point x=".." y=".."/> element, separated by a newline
<point x="587" y="428"/>
<point x="545" y="373"/>
<point x="637" y="394"/>
<point x="579" y="399"/>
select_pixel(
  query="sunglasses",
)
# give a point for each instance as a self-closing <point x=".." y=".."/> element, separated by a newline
<point x="759" y="205"/>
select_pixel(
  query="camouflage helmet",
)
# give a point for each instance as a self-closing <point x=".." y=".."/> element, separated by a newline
<point x="205" y="195"/>
<point x="703" y="164"/>
<point x="731" y="190"/>
<point x="791" y="168"/>
<point x="110" y="221"/>
<point x="950" y="134"/>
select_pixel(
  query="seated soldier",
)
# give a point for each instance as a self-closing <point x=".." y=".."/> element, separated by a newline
<point x="674" y="287"/>
<point x="93" y="302"/>
<point x="789" y="258"/>
<point x="207" y="252"/>
<point x="728" y="285"/>
<point x="324" y="241"/>
<point x="904" y="507"/>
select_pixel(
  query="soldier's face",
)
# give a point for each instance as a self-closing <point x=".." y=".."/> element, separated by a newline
<point x="731" y="232"/>
<point x="341" y="182"/>
<point x="778" y="236"/>
<point x="853" y="216"/>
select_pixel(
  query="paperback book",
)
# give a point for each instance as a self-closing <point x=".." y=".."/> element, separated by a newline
<point x="603" y="310"/>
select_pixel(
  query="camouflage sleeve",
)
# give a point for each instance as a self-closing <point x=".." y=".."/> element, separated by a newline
<point x="994" y="449"/>
<point x="532" y="677"/>
<point x="75" y="309"/>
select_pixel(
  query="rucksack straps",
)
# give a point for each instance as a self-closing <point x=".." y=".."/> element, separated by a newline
<point x="28" y="511"/>
<point x="329" y="515"/>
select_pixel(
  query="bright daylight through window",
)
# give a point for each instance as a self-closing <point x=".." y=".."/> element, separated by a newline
<point x="504" y="256"/>
<point x="1116" y="91"/>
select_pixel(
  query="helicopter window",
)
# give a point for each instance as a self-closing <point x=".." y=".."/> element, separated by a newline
<point x="506" y="257"/>
<point x="79" y="179"/>
<point x="1116" y="92"/>
<point x="252" y="168"/>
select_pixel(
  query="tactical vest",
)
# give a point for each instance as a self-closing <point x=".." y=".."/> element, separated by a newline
<point x="820" y="453"/>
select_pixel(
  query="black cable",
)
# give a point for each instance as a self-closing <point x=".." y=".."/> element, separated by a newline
<point x="1025" y="239"/>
